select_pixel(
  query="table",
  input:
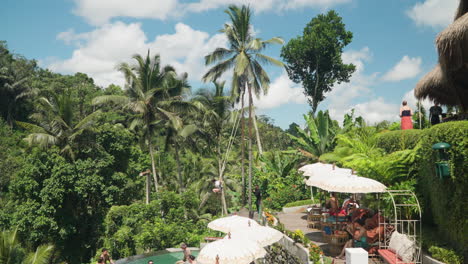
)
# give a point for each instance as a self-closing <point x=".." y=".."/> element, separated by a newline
<point x="356" y="256"/>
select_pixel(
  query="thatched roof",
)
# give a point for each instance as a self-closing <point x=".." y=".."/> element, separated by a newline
<point x="452" y="44"/>
<point x="436" y="87"/>
<point x="440" y="88"/>
<point x="447" y="83"/>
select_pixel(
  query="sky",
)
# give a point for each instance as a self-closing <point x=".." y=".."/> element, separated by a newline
<point x="392" y="47"/>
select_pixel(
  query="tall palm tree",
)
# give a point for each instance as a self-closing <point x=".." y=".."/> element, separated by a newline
<point x="245" y="57"/>
<point x="56" y="124"/>
<point x="216" y="117"/>
<point x="149" y="95"/>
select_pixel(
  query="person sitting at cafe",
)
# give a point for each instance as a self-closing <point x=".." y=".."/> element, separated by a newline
<point x="359" y="239"/>
<point x="332" y="204"/>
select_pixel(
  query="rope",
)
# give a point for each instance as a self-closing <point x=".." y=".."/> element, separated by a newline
<point x="231" y="141"/>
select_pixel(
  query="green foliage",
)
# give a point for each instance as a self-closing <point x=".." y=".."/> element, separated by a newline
<point x="318" y="137"/>
<point x="298" y="236"/>
<point x="16" y="89"/>
<point x="137" y="228"/>
<point x="299" y="203"/>
<point x="392" y="141"/>
<point x="12" y="252"/>
<point x="445" y="255"/>
<point x="279" y="198"/>
<point x="445" y="199"/>
<point x="315" y="253"/>
<point x="314" y="59"/>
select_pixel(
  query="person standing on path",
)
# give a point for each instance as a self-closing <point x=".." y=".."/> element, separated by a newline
<point x="258" y="196"/>
<point x="434" y="114"/>
<point x="406" y="113"/>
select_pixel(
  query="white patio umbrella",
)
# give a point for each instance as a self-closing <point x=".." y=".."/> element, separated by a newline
<point x="325" y="176"/>
<point x="352" y="184"/>
<point x="321" y="171"/>
<point x="230" y="251"/>
<point x="231" y="223"/>
<point x="262" y="235"/>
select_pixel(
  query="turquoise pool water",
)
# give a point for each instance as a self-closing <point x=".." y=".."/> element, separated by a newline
<point x="166" y="258"/>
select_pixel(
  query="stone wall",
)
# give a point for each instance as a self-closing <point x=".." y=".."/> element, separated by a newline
<point x="277" y="254"/>
<point x="286" y="251"/>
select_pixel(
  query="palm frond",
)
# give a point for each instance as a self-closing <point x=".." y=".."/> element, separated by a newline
<point x="40" y="256"/>
<point x="106" y="99"/>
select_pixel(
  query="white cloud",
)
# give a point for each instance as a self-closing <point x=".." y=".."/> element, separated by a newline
<point x="282" y="91"/>
<point x="411" y="100"/>
<point x="377" y="110"/>
<point x="98" y="12"/>
<point x="433" y="13"/>
<point x="344" y="96"/>
<point x="406" y="68"/>
<point x="340" y="98"/>
<point x="99" y="51"/>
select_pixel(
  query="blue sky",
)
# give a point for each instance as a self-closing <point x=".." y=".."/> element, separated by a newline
<point x="393" y="44"/>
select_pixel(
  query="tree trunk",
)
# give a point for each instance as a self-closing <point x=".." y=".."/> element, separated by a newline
<point x="242" y="147"/>
<point x="148" y="188"/>
<point x="250" y="148"/>
<point x="153" y="165"/>
<point x="259" y="142"/>
<point x="179" y="170"/>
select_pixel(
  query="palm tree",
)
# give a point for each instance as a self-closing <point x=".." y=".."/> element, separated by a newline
<point x="319" y="136"/>
<point x="9" y="246"/>
<point x="15" y="84"/>
<point x="149" y="95"/>
<point x="216" y="116"/>
<point x="245" y="57"/>
<point x="57" y="124"/>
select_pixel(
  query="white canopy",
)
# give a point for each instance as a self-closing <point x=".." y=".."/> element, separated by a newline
<point x="352" y="184"/>
<point x="231" y="223"/>
<point x="230" y="251"/>
<point x="321" y="169"/>
<point x="321" y="179"/>
<point x="262" y="235"/>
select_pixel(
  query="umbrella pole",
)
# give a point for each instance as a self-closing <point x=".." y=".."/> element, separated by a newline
<point x="312" y="194"/>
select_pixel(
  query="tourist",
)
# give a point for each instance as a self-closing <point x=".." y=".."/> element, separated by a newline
<point x="106" y="257"/>
<point x="359" y="239"/>
<point x="217" y="186"/>
<point x="406" y="113"/>
<point x="332" y="204"/>
<point x="191" y="259"/>
<point x="258" y="196"/>
<point x="434" y="114"/>
<point x="150" y="262"/>
<point x="186" y="251"/>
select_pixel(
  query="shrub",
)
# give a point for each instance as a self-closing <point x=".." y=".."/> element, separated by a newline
<point x="445" y="199"/>
<point x="315" y="252"/>
<point x="445" y="255"/>
<point x="281" y="197"/>
<point x="299" y="203"/>
<point x="392" y="141"/>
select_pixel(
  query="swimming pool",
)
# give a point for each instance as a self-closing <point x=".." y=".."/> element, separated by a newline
<point x="160" y="258"/>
